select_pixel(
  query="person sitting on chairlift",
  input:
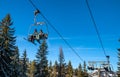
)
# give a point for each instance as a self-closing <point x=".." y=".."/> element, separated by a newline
<point x="41" y="34"/>
<point x="31" y="38"/>
<point x="35" y="34"/>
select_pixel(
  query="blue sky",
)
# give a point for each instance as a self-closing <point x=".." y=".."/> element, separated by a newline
<point x="72" y="19"/>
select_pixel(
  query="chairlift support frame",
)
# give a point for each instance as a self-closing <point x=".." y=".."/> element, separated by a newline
<point x="42" y="23"/>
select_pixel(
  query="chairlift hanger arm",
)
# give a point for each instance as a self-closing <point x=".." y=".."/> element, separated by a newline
<point x="36" y="12"/>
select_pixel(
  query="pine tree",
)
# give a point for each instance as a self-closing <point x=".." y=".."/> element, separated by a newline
<point x="50" y="69"/>
<point x="118" y="62"/>
<point x="32" y="69"/>
<point x="24" y="61"/>
<point x="75" y="72"/>
<point x="55" y="70"/>
<point x="80" y="72"/>
<point x="85" y="70"/>
<point x="7" y="47"/>
<point x="61" y="72"/>
<point x="70" y="69"/>
<point x="42" y="62"/>
<point x="16" y="65"/>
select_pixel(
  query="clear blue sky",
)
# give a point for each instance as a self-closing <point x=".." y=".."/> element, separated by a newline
<point x="72" y="19"/>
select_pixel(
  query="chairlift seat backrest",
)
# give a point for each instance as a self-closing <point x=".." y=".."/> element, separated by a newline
<point x="40" y="23"/>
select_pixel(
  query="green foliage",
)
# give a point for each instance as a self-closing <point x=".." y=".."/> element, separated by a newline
<point x="118" y="59"/>
<point x="7" y="48"/>
<point x="118" y="62"/>
<point x="15" y="62"/>
<point x="32" y="69"/>
<point x="55" y="70"/>
<point x="61" y="71"/>
<point x="80" y="71"/>
<point x="70" y="70"/>
<point x="76" y="72"/>
<point x="23" y="64"/>
<point x="85" y="70"/>
<point x="50" y="69"/>
<point x="42" y="62"/>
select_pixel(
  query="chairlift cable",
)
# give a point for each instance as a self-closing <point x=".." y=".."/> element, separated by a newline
<point x="95" y="26"/>
<point x="57" y="31"/>
<point x="33" y="4"/>
<point x="47" y="29"/>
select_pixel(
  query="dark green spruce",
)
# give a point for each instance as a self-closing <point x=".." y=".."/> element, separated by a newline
<point x="7" y="48"/>
<point x="118" y="62"/>
<point x="42" y="62"/>
<point x="24" y="61"/>
<point x="61" y="71"/>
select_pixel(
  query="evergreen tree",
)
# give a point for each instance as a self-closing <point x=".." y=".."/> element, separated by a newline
<point x="70" y="69"/>
<point x="75" y="72"/>
<point x="85" y="70"/>
<point x="50" y="70"/>
<point x="55" y="70"/>
<point x="118" y="62"/>
<point x="24" y="61"/>
<point x="32" y="69"/>
<point x="42" y="62"/>
<point x="61" y="72"/>
<point x="80" y="72"/>
<point x="7" y="47"/>
<point x="16" y="65"/>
